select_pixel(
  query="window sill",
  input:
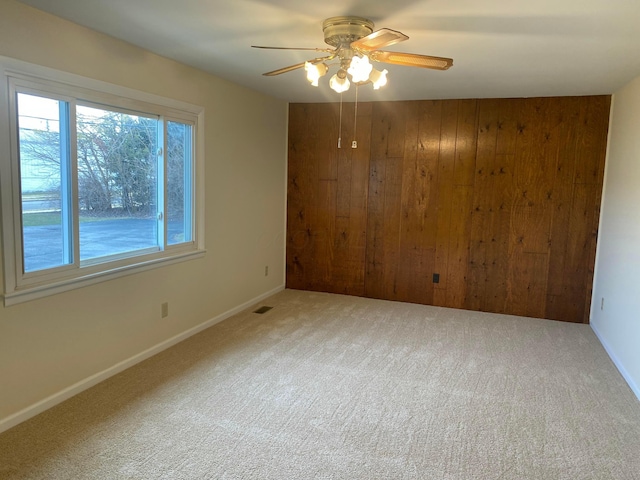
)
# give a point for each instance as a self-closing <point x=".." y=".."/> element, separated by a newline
<point x="25" y="294"/>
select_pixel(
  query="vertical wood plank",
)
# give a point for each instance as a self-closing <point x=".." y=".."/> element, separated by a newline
<point x="419" y="212"/>
<point x="387" y="146"/>
<point x="409" y="265"/>
<point x="444" y="195"/>
<point x="392" y="210"/>
<point x="563" y="187"/>
<point x="301" y="196"/>
<point x="359" y="200"/>
<point x="498" y="204"/>
<point x="481" y="215"/>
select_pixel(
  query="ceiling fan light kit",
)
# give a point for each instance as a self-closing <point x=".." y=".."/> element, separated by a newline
<point x="355" y="44"/>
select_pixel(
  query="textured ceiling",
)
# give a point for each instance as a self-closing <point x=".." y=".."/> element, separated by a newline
<point x="500" y="48"/>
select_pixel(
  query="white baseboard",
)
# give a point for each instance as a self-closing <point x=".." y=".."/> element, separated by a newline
<point x="66" y="393"/>
<point x="616" y="361"/>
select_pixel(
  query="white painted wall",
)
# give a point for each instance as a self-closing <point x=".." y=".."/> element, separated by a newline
<point x="49" y="345"/>
<point x="617" y="275"/>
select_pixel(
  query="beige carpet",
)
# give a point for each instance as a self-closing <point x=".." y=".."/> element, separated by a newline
<point x="335" y="387"/>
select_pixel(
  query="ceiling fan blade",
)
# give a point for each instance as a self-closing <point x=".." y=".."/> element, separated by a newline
<point x="290" y="68"/>
<point x="284" y="70"/>
<point x="294" y="48"/>
<point x="378" y="39"/>
<point x="412" y="60"/>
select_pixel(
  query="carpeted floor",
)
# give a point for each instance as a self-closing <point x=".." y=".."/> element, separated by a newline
<point x="335" y="387"/>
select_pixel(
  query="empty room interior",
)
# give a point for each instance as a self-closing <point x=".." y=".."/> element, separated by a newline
<point x="359" y="240"/>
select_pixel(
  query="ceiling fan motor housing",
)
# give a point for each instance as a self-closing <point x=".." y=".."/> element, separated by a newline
<point x="341" y="31"/>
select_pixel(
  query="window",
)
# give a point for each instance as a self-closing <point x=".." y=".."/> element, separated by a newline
<point x="101" y="184"/>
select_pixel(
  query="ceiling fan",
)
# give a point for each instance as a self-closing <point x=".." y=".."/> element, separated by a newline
<point x="355" y="44"/>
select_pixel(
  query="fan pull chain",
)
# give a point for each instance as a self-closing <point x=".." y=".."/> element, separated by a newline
<point x="340" y="127"/>
<point x="354" y="143"/>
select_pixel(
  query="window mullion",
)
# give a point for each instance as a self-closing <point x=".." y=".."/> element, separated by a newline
<point x="65" y="183"/>
<point x="161" y="186"/>
<point x="189" y="183"/>
<point x="74" y="209"/>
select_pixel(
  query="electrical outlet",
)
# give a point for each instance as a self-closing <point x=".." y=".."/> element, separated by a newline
<point x="165" y="309"/>
<point x="266" y="270"/>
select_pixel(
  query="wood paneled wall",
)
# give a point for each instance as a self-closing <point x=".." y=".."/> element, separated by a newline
<point x="498" y="197"/>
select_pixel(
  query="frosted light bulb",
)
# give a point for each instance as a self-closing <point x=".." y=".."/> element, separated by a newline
<point x="378" y="78"/>
<point x="314" y="72"/>
<point x="360" y="69"/>
<point x="339" y="84"/>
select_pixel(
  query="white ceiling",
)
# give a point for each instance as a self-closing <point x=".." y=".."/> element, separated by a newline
<point x="501" y="48"/>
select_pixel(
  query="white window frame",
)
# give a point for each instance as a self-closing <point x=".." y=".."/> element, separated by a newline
<point x="19" y="286"/>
